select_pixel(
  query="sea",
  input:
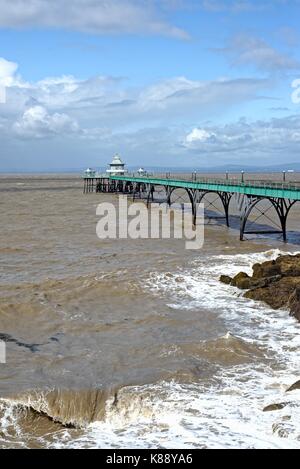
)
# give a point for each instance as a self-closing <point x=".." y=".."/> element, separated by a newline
<point x="135" y="343"/>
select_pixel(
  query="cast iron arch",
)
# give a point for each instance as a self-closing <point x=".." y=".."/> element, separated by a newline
<point x="282" y="208"/>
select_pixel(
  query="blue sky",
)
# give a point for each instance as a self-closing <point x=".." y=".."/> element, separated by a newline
<point x="163" y="82"/>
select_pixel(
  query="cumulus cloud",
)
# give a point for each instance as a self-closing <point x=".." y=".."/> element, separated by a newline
<point x="198" y="135"/>
<point x="38" y="123"/>
<point x="7" y="77"/>
<point x="89" y="16"/>
<point x="245" y="50"/>
<point x="50" y="105"/>
<point x="106" y="114"/>
<point x="7" y="72"/>
<point x="261" y="142"/>
<point x="278" y="136"/>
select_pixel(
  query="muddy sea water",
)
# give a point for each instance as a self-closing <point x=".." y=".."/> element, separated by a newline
<point x="135" y="343"/>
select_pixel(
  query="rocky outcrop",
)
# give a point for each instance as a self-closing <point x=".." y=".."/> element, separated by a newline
<point x="226" y="279"/>
<point x="277" y="283"/>
<point x="294" y="387"/>
<point x="273" y="407"/>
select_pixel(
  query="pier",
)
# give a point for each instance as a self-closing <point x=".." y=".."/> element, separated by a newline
<point x="282" y="196"/>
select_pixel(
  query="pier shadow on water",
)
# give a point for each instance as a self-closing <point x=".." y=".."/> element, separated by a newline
<point x="214" y="218"/>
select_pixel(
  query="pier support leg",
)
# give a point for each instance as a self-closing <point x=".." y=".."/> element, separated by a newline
<point x="226" y="198"/>
<point x="150" y="192"/>
<point x="282" y="207"/>
<point x="169" y="191"/>
<point x="134" y="189"/>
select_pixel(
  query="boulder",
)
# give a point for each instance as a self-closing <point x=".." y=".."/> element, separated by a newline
<point x="240" y="280"/>
<point x="273" y="407"/>
<point x="294" y="303"/>
<point x="289" y="266"/>
<point x="294" y="387"/>
<point x="276" y="294"/>
<point x="226" y="279"/>
<point x="267" y="269"/>
<point x="257" y="271"/>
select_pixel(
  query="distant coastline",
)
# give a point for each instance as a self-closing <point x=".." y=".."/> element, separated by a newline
<point x="231" y="168"/>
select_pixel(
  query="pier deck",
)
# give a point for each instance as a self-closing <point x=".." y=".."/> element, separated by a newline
<point x="248" y="193"/>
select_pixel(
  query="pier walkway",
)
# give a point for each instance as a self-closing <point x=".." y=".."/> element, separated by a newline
<point x="247" y="193"/>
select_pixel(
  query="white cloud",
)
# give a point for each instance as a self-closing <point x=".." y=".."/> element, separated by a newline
<point x="198" y="135"/>
<point x="280" y="136"/>
<point x="106" y="114"/>
<point x="36" y="122"/>
<point x="90" y="16"/>
<point x="182" y="98"/>
<point x="7" y="72"/>
<point x="7" y="77"/>
<point x="110" y="103"/>
<point x="246" y="50"/>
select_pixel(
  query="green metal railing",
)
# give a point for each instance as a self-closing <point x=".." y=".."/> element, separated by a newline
<point x="282" y="190"/>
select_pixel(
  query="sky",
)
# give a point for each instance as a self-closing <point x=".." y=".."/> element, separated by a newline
<point x="164" y="83"/>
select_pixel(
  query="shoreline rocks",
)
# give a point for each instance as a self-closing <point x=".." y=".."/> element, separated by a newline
<point x="282" y="405"/>
<point x="274" y="407"/>
<point x="276" y="283"/>
<point x="294" y="387"/>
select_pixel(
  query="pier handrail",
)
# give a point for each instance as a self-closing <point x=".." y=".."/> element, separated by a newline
<point x="266" y="184"/>
<point x="284" y="189"/>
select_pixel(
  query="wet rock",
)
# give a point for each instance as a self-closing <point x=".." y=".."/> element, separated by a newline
<point x="240" y="280"/>
<point x="244" y="282"/>
<point x="294" y="387"/>
<point x="226" y="279"/>
<point x="294" y="303"/>
<point x="267" y="269"/>
<point x="277" y="283"/>
<point x="274" y="407"/>
<point x="289" y="265"/>
<point x="277" y="294"/>
<point x="257" y="271"/>
<point x="263" y="282"/>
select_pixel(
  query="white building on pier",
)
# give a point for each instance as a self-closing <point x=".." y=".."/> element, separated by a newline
<point x="116" y="167"/>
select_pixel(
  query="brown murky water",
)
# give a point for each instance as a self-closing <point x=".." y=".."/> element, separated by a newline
<point x="133" y="343"/>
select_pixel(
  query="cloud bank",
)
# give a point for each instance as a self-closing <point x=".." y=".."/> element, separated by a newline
<point x="60" y="104"/>
<point x="163" y="124"/>
<point x="89" y="16"/>
<point x="244" y="50"/>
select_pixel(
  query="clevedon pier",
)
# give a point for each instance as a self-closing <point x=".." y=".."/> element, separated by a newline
<point x="247" y="194"/>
